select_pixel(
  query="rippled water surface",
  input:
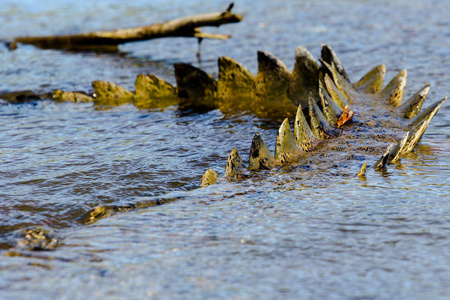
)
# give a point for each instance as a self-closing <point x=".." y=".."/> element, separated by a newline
<point x="302" y="232"/>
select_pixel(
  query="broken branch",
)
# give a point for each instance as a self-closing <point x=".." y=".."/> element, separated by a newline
<point x="181" y="27"/>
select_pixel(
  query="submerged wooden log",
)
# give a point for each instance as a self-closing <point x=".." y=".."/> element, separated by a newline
<point x="196" y="88"/>
<point x="327" y="116"/>
<point x="267" y="96"/>
<point x="110" y="94"/>
<point x="62" y="96"/>
<point x="154" y="92"/>
<point x="22" y="96"/>
<point x="272" y="87"/>
<point x="236" y="87"/>
<point x="181" y="27"/>
<point x="375" y="108"/>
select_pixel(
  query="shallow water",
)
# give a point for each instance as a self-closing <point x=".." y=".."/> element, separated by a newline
<point x="306" y="231"/>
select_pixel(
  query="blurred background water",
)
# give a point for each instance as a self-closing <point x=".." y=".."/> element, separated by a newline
<point x="303" y="234"/>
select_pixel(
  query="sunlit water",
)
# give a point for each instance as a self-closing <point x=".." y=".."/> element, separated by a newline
<point x="308" y="232"/>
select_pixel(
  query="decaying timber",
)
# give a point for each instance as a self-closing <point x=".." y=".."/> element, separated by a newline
<point x="332" y="101"/>
<point x="333" y="115"/>
<point x="322" y="101"/>
<point x="109" y="40"/>
<point x="23" y="96"/>
<point x="324" y="105"/>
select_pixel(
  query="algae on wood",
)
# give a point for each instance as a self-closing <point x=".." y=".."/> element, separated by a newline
<point x="272" y="85"/>
<point x="154" y="92"/>
<point x="236" y="87"/>
<point x="110" y="94"/>
<point x="62" y="96"/>
<point x="196" y="88"/>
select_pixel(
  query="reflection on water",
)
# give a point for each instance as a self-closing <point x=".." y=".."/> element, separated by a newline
<point x="310" y="230"/>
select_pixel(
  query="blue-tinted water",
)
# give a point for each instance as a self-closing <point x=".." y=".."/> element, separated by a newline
<point x="309" y="232"/>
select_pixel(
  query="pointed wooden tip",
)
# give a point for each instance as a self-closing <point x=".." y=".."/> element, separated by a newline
<point x="420" y="124"/>
<point x="210" y="177"/>
<point x="305" y="76"/>
<point x="154" y="92"/>
<point x="227" y="65"/>
<point x="306" y="139"/>
<point x="260" y="157"/>
<point x="393" y="92"/>
<point x="329" y="56"/>
<point x="319" y="124"/>
<point x="412" y="106"/>
<point x="335" y="93"/>
<point x="331" y="109"/>
<point x="362" y="170"/>
<point x="194" y="85"/>
<point x="235" y="166"/>
<point x="269" y="62"/>
<point x="286" y="148"/>
<point x="426" y="114"/>
<point x="372" y="82"/>
<point x="383" y="161"/>
<point x="272" y="87"/>
<point x="236" y="83"/>
<point x="393" y="153"/>
<point x="302" y="54"/>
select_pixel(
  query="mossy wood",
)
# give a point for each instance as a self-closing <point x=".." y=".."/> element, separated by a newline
<point x="333" y="114"/>
<point x="326" y="114"/>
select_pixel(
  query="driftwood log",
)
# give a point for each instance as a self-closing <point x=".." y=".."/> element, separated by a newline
<point x="181" y="27"/>
<point x="325" y="132"/>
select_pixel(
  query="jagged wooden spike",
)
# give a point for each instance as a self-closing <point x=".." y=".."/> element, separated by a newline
<point x="210" y="177"/>
<point x="383" y="161"/>
<point x="306" y="139"/>
<point x="304" y="77"/>
<point x="343" y="85"/>
<point x="392" y="153"/>
<point x="372" y="82"/>
<point x="154" y="92"/>
<point x="330" y="109"/>
<point x="394" y="156"/>
<point x="393" y="92"/>
<point x="362" y="171"/>
<point x="428" y="113"/>
<point x="425" y="117"/>
<point x="412" y="106"/>
<point x="329" y="56"/>
<point x="319" y="124"/>
<point x="272" y="80"/>
<point x="286" y="148"/>
<point x="272" y="85"/>
<point x="235" y="166"/>
<point x="260" y="156"/>
<point x="235" y="82"/>
<point x="195" y="87"/>
<point x="110" y="94"/>
<point x="334" y="93"/>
